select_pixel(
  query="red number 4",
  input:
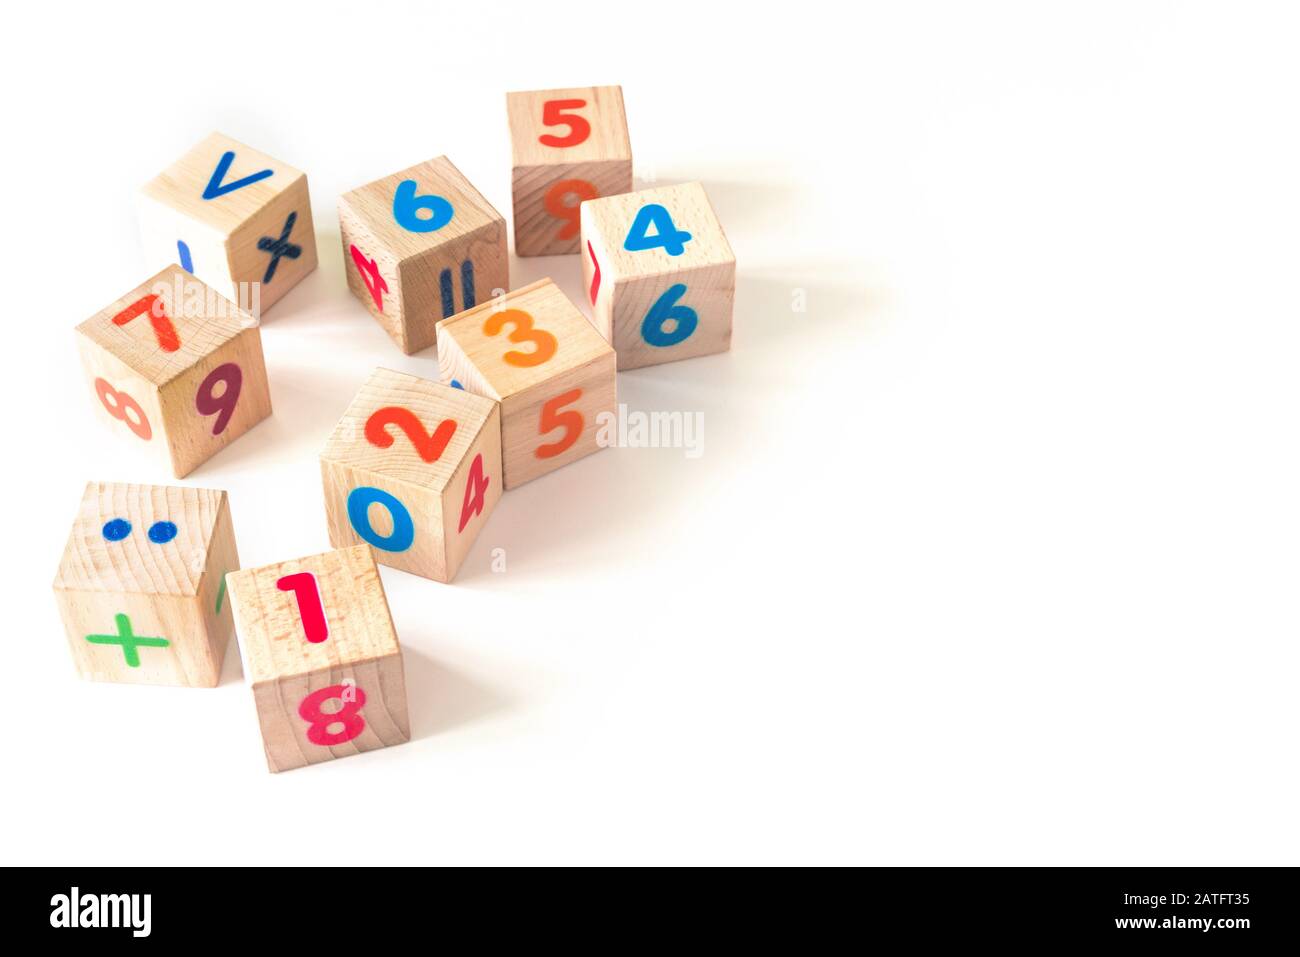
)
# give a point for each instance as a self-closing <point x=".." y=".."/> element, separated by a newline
<point x="553" y="115"/>
<point x="475" y="488"/>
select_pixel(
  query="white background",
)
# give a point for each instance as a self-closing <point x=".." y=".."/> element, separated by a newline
<point x="991" y="554"/>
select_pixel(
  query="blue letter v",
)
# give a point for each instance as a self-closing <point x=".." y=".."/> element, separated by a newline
<point x="217" y="188"/>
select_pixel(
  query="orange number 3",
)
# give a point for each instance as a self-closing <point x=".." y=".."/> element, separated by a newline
<point x="523" y="332"/>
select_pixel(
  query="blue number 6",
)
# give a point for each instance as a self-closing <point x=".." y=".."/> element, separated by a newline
<point x="406" y="207"/>
<point x="665" y="308"/>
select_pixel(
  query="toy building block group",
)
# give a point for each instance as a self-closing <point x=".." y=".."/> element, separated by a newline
<point x="567" y="146"/>
<point x="660" y="274"/>
<point x="536" y="354"/>
<point x="411" y="239"/>
<point x="413" y="469"/>
<point x="232" y="216"/>
<point x="322" y="657"/>
<point x="177" y="367"/>
<point x="141" y="584"/>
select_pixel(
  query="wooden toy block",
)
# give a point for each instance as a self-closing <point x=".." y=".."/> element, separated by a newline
<point x="176" y="367"/>
<point x="413" y="469"/>
<point x="660" y="274"/>
<point x="567" y="146"/>
<point x="236" y="218"/>
<point x="141" y="586"/>
<point x="412" y="240"/>
<point x="536" y="354"/>
<point x="319" y="649"/>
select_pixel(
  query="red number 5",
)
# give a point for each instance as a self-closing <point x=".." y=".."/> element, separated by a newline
<point x="553" y="115"/>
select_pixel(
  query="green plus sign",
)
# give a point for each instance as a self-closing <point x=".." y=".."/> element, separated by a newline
<point x="128" y="640"/>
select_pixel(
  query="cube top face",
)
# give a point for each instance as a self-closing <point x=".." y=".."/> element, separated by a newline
<point x="655" y="231"/>
<point x="419" y="209"/>
<point x="140" y="539"/>
<point x="222" y="184"/>
<point x="311" y="614"/>
<point x="580" y="125"/>
<point x="524" y="339"/>
<point x="166" y="325"/>
<point x="408" y="428"/>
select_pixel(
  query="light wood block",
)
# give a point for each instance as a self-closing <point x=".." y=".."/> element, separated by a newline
<point x="413" y="469"/>
<point x="421" y="245"/>
<point x="567" y="146"/>
<point x="663" y="302"/>
<point x="141" y="586"/>
<point x="319" y="650"/>
<point x="536" y="354"/>
<point x="236" y="216"/>
<point x="176" y="368"/>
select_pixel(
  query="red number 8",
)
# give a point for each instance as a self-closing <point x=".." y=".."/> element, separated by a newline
<point x="319" y="721"/>
<point x="120" y="406"/>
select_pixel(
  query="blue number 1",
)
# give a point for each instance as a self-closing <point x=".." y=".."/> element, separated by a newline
<point x="667" y="235"/>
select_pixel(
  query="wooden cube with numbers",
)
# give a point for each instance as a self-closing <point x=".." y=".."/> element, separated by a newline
<point x="234" y="217"/>
<point x="536" y="354"/>
<point x="421" y="245"/>
<point x="141" y="586"/>
<point x="175" y="368"/>
<point x="319" y="650"/>
<point x="660" y="274"/>
<point x="413" y="469"/>
<point x="567" y="146"/>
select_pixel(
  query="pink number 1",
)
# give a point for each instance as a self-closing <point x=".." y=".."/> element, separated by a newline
<point x="310" y="607"/>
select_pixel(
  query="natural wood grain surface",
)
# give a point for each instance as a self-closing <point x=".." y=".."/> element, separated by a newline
<point x="222" y="233"/>
<point x="360" y="655"/>
<point x="411" y="264"/>
<point x="632" y="281"/>
<point x="602" y="161"/>
<point x="166" y="590"/>
<point x="582" y="360"/>
<point x="211" y="333"/>
<point x="433" y="492"/>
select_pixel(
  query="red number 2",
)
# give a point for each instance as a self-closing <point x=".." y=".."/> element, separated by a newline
<point x="553" y="115"/>
<point x="429" y="447"/>
<point x="310" y="607"/>
<point x="571" y="421"/>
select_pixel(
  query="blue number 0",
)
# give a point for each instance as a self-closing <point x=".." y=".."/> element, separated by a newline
<point x="406" y="208"/>
<point x="667" y="235"/>
<point x="665" y="308"/>
<point x="359" y="501"/>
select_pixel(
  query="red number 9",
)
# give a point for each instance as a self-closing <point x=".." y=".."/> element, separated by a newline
<point x="555" y="204"/>
<point x="223" y="405"/>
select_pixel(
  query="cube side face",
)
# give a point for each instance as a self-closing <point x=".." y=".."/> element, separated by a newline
<point x="124" y="402"/>
<point x="372" y="274"/>
<point x="333" y="713"/>
<point x="473" y="491"/>
<point x="547" y="198"/>
<point x="141" y="639"/>
<point x="224" y="188"/>
<point x="400" y="447"/>
<point x="552" y="424"/>
<point x="274" y="247"/>
<point x="575" y="125"/>
<point x="310" y="614"/>
<point x="215" y="401"/>
<point x="426" y="234"/>
<point x="668" y="318"/>
<point x="448" y="279"/>
<point x="598" y="285"/>
<point x="404" y="523"/>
